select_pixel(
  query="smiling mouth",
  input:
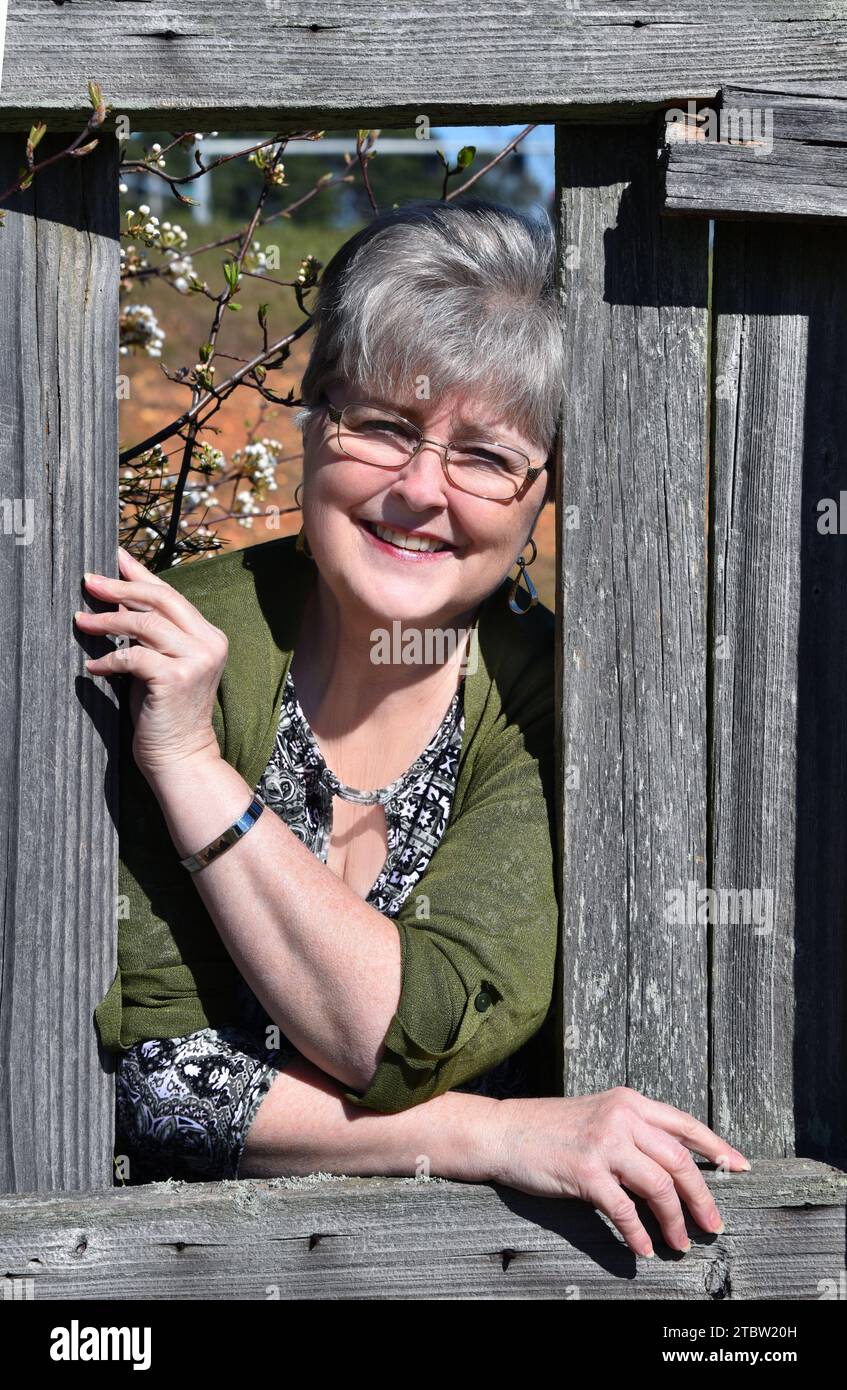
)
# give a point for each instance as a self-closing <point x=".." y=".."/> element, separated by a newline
<point x="401" y="542"/>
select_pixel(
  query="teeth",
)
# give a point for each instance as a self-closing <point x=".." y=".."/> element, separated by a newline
<point x="405" y="542"/>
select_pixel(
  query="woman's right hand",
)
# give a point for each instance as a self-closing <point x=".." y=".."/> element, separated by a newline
<point x="595" y="1146"/>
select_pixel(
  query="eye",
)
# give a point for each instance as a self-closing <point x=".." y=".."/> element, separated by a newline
<point x="389" y="427"/>
<point x="377" y="424"/>
<point x="479" y="455"/>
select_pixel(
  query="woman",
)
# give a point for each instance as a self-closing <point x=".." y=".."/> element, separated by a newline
<point x="339" y="985"/>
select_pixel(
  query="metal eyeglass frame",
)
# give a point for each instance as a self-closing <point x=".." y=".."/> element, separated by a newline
<point x="335" y="415"/>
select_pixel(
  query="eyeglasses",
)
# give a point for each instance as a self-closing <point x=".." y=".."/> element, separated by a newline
<point x="372" y="434"/>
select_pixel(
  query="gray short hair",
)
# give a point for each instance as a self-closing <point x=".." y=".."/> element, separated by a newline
<point x="462" y="293"/>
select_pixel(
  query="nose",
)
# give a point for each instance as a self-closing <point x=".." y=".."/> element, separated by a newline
<point x="422" y="481"/>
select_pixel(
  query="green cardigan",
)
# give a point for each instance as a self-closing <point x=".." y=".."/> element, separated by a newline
<point x="479" y="951"/>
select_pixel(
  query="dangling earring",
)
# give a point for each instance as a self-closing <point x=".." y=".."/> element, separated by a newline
<point x="530" y="587"/>
<point x="302" y="543"/>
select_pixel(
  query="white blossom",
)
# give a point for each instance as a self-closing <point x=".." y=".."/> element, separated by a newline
<point x="139" y="328"/>
<point x="259" y="461"/>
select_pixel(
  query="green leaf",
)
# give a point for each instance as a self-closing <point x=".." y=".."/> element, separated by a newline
<point x="232" y="274"/>
<point x="465" y="156"/>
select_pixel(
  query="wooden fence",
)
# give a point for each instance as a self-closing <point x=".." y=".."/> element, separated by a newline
<point x="702" y="653"/>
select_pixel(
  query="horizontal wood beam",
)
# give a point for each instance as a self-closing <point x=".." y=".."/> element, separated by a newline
<point x="332" y="1237"/>
<point x="172" y="65"/>
<point x="792" y="164"/>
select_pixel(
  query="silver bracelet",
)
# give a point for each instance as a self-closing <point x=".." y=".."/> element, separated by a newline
<point x="223" y="842"/>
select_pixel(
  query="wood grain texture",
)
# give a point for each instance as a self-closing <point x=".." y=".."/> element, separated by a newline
<point x="632" y="647"/>
<point x="215" y="65"/>
<point x="803" y="175"/>
<point x="58" y="450"/>
<point x="343" y="1238"/>
<point x="779" y="750"/>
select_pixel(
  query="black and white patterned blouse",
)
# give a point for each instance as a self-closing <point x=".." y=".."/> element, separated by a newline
<point x="299" y="786"/>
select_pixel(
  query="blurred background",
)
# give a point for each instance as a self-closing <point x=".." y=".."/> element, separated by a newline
<point x="310" y="200"/>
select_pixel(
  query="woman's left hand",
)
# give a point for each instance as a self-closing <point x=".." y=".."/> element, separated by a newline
<point x="176" y="663"/>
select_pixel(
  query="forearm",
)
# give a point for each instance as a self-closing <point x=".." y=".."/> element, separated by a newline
<point x="305" y="1126"/>
<point x="325" y="965"/>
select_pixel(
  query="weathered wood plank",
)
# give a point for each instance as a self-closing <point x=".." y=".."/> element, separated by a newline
<point x="801" y="87"/>
<point x="58" y="455"/>
<point x="792" y="165"/>
<point x="779" y="675"/>
<point x="632" y="648"/>
<point x="172" y="65"/>
<point x="337" y="1238"/>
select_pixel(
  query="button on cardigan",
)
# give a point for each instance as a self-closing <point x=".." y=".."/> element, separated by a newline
<point x="478" y="937"/>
